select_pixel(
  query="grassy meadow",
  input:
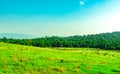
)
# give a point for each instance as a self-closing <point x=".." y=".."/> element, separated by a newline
<point x="20" y="59"/>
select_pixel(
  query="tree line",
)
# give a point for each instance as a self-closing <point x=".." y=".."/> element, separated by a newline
<point x="102" y="41"/>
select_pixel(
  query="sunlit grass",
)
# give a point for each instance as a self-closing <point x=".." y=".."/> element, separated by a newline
<point x="19" y="59"/>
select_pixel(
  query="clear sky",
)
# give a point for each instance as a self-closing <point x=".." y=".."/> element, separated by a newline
<point x="59" y="17"/>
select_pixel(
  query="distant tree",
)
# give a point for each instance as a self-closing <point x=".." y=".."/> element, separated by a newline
<point x="103" y="41"/>
<point x="4" y="39"/>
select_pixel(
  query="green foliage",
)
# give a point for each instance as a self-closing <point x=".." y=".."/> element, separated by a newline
<point x="102" y="41"/>
<point x="19" y="59"/>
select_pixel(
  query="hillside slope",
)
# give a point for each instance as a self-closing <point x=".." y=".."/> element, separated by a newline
<point x="16" y="36"/>
<point x="19" y="59"/>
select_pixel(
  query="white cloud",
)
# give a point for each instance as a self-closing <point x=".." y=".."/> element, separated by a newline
<point x="82" y="2"/>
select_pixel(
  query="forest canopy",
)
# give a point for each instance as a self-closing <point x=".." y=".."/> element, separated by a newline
<point x="103" y="41"/>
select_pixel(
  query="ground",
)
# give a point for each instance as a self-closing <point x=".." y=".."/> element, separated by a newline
<point x="20" y="59"/>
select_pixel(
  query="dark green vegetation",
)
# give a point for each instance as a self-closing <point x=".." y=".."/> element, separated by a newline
<point x="102" y="41"/>
<point x="19" y="59"/>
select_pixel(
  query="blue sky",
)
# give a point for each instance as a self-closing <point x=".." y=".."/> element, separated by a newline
<point x="59" y="17"/>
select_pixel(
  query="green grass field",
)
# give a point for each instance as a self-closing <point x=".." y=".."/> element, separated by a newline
<point x="19" y="59"/>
